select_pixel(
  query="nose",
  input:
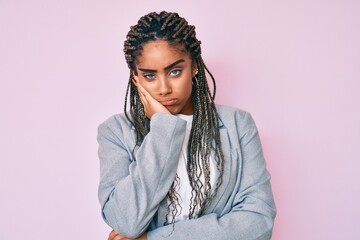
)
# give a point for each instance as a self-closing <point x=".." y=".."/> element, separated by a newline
<point x="165" y="87"/>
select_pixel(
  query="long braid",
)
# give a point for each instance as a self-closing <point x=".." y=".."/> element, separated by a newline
<point x="204" y="136"/>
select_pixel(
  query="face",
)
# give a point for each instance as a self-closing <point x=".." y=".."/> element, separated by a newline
<point x="166" y="72"/>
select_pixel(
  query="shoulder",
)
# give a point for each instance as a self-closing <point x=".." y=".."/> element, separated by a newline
<point x="232" y="117"/>
<point x="116" y="124"/>
<point x="227" y="111"/>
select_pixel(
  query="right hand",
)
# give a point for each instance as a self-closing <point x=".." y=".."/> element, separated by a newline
<point x="151" y="106"/>
<point x="113" y="235"/>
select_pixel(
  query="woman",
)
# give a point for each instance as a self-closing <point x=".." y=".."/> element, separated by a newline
<point x="177" y="166"/>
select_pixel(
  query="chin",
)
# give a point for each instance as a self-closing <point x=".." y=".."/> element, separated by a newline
<point x="173" y="111"/>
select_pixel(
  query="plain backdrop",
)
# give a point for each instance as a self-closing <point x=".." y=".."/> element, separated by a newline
<point x="294" y="65"/>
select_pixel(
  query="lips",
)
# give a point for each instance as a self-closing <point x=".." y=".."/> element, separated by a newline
<point x="167" y="102"/>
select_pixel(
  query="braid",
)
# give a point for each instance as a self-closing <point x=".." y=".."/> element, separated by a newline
<point x="204" y="136"/>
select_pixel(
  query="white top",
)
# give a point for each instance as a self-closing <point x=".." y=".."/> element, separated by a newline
<point x="184" y="190"/>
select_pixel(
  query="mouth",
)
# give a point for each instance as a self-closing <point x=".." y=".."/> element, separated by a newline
<point x="167" y="102"/>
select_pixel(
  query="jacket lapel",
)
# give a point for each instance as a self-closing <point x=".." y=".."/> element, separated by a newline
<point x="225" y="146"/>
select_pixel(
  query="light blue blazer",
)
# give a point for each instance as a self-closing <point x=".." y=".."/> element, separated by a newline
<point x="133" y="184"/>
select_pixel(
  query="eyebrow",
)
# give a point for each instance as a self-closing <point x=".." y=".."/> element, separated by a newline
<point x="166" y="68"/>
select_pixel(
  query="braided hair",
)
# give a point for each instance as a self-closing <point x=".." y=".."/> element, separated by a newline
<point x="204" y="136"/>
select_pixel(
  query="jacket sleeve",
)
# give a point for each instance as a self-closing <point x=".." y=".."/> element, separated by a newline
<point x="131" y="191"/>
<point x="252" y="208"/>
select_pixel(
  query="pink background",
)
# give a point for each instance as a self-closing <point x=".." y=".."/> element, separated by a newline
<point x="293" y="64"/>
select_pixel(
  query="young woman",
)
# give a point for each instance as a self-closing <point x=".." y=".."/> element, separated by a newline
<point x="177" y="166"/>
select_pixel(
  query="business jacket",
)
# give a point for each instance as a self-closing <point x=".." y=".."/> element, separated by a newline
<point x="133" y="184"/>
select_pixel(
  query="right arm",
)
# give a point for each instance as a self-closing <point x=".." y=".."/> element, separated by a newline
<point x="130" y="191"/>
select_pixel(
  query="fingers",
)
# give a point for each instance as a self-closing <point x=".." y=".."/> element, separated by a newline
<point x="142" y="92"/>
<point x="145" y="97"/>
<point x="113" y="235"/>
<point x="116" y="236"/>
<point x="151" y="105"/>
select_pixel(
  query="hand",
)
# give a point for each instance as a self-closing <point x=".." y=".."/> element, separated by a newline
<point x="117" y="236"/>
<point x="151" y="106"/>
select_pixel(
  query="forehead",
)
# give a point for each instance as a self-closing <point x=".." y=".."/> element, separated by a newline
<point x="159" y="53"/>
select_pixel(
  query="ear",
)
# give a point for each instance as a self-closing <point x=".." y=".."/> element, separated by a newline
<point x="194" y="69"/>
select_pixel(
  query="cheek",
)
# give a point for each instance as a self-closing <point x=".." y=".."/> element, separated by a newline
<point x="150" y="87"/>
<point x="186" y="88"/>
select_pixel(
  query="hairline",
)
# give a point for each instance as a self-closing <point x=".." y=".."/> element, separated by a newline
<point x="178" y="46"/>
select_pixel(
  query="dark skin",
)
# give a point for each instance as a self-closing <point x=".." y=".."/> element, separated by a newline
<point x="164" y="81"/>
<point x="117" y="236"/>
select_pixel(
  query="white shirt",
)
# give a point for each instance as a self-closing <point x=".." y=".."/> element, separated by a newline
<point x="184" y="190"/>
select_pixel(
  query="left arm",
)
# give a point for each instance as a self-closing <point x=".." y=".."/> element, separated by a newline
<point x="253" y="208"/>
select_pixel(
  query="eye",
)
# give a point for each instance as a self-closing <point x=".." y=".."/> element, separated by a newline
<point x="149" y="76"/>
<point x="175" y="72"/>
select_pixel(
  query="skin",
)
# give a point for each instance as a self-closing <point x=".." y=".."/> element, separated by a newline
<point x="163" y="78"/>
<point x="117" y="236"/>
